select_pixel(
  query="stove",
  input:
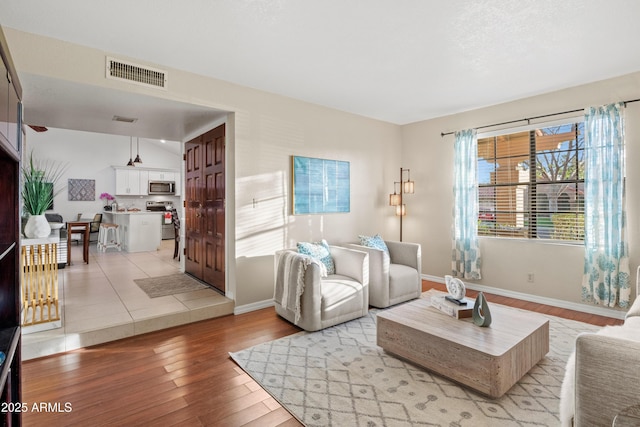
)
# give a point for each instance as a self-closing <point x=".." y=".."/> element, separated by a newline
<point x="168" y="231"/>
<point x="159" y="205"/>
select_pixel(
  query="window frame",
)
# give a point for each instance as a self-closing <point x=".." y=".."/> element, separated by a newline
<point x="531" y="213"/>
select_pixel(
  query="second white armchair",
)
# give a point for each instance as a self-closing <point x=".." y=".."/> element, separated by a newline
<point x="394" y="277"/>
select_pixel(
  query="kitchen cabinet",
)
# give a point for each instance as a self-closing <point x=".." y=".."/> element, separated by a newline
<point x="178" y="184"/>
<point x="132" y="182"/>
<point x="139" y="231"/>
<point x="161" y="176"/>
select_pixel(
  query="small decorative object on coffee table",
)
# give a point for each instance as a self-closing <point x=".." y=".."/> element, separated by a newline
<point x="456" y="290"/>
<point x="481" y="313"/>
<point x="458" y="311"/>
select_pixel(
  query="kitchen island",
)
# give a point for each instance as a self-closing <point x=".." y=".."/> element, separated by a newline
<point x="140" y="231"/>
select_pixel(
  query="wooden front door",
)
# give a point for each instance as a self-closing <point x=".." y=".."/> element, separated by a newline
<point x="205" y="207"/>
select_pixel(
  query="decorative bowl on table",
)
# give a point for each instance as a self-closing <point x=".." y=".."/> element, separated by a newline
<point x="56" y="225"/>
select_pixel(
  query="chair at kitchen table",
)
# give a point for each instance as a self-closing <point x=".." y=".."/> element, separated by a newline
<point x="176" y="228"/>
<point x="94" y="227"/>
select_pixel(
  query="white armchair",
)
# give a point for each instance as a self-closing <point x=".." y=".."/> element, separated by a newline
<point x="393" y="277"/>
<point x="324" y="301"/>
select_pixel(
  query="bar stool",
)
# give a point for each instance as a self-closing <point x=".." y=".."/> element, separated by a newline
<point x="108" y="237"/>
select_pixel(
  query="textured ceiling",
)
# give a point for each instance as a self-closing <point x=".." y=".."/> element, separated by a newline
<point x="397" y="61"/>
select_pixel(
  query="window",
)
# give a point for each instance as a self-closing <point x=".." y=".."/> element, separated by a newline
<point x="545" y="201"/>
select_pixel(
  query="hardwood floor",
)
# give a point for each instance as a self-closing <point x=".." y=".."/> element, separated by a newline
<point x="180" y="376"/>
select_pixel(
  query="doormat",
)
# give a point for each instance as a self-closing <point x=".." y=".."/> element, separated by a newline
<point x="169" y="285"/>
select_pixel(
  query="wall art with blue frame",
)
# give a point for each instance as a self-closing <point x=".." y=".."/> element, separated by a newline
<point x="320" y="186"/>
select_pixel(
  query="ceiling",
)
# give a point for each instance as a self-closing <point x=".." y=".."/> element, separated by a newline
<point x="397" y="61"/>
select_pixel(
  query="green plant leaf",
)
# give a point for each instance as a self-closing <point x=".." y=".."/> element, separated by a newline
<point x="38" y="184"/>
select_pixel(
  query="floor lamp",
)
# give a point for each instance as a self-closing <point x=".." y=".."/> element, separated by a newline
<point x="396" y="199"/>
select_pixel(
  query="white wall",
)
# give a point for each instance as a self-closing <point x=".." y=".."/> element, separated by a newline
<point x="557" y="268"/>
<point x="90" y="155"/>
<point x="264" y="130"/>
<point x="263" y="174"/>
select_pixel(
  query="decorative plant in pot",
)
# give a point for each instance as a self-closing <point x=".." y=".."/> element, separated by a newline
<point x="38" y="181"/>
<point x="109" y="200"/>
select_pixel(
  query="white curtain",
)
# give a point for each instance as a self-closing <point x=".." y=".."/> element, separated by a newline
<point x="606" y="266"/>
<point x="466" y="260"/>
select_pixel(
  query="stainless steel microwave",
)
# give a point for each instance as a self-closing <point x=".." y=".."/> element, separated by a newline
<point x="162" y="187"/>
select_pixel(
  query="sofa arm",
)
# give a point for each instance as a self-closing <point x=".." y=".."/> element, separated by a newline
<point x="606" y="379"/>
<point x="409" y="254"/>
<point x="351" y="263"/>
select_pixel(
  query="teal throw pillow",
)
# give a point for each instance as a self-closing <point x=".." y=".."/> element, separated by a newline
<point x="374" y="242"/>
<point x="319" y="251"/>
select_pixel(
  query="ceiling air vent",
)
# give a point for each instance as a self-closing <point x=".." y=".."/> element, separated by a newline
<point x="135" y="73"/>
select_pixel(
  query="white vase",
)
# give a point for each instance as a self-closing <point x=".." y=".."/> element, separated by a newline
<point x="37" y="227"/>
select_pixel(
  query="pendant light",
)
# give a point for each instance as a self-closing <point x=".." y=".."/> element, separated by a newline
<point x="138" y="160"/>
<point x="130" y="152"/>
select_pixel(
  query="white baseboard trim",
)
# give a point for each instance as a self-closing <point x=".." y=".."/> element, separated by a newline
<point x="246" y="308"/>
<point x="600" y="311"/>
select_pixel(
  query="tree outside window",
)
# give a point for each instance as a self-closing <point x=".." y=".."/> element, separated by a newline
<point x="546" y="202"/>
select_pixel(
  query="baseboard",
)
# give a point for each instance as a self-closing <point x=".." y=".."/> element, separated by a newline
<point x="600" y="311"/>
<point x="246" y="308"/>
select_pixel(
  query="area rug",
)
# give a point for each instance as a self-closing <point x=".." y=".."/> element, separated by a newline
<point x="340" y="377"/>
<point x="169" y="285"/>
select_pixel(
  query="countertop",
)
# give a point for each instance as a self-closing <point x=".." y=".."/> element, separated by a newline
<point x="133" y="212"/>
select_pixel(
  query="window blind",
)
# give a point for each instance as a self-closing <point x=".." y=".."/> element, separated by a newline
<point x="531" y="183"/>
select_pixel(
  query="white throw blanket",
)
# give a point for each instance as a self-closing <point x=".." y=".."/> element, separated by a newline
<point x="290" y="280"/>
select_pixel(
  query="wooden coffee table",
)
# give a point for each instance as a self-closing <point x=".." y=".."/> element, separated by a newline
<point x="489" y="360"/>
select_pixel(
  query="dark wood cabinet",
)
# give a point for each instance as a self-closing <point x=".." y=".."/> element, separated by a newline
<point x="10" y="141"/>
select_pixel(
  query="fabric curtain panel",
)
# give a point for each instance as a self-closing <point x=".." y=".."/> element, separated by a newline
<point x="466" y="251"/>
<point x="606" y="268"/>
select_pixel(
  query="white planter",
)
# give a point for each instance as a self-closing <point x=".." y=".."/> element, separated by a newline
<point x="37" y="227"/>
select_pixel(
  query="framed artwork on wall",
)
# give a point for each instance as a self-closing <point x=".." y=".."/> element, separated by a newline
<point x="81" y="189"/>
<point x="320" y="186"/>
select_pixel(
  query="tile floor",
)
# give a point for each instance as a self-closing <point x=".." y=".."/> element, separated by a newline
<point x="101" y="302"/>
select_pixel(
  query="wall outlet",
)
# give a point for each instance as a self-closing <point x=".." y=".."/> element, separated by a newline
<point x="530" y="277"/>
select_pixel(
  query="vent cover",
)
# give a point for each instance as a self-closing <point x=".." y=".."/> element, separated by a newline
<point x="134" y="73"/>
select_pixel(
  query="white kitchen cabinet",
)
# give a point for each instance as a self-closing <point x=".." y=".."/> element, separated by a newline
<point x="161" y="176"/>
<point x="144" y="183"/>
<point x="178" y="183"/>
<point x="139" y="231"/>
<point x="132" y="182"/>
